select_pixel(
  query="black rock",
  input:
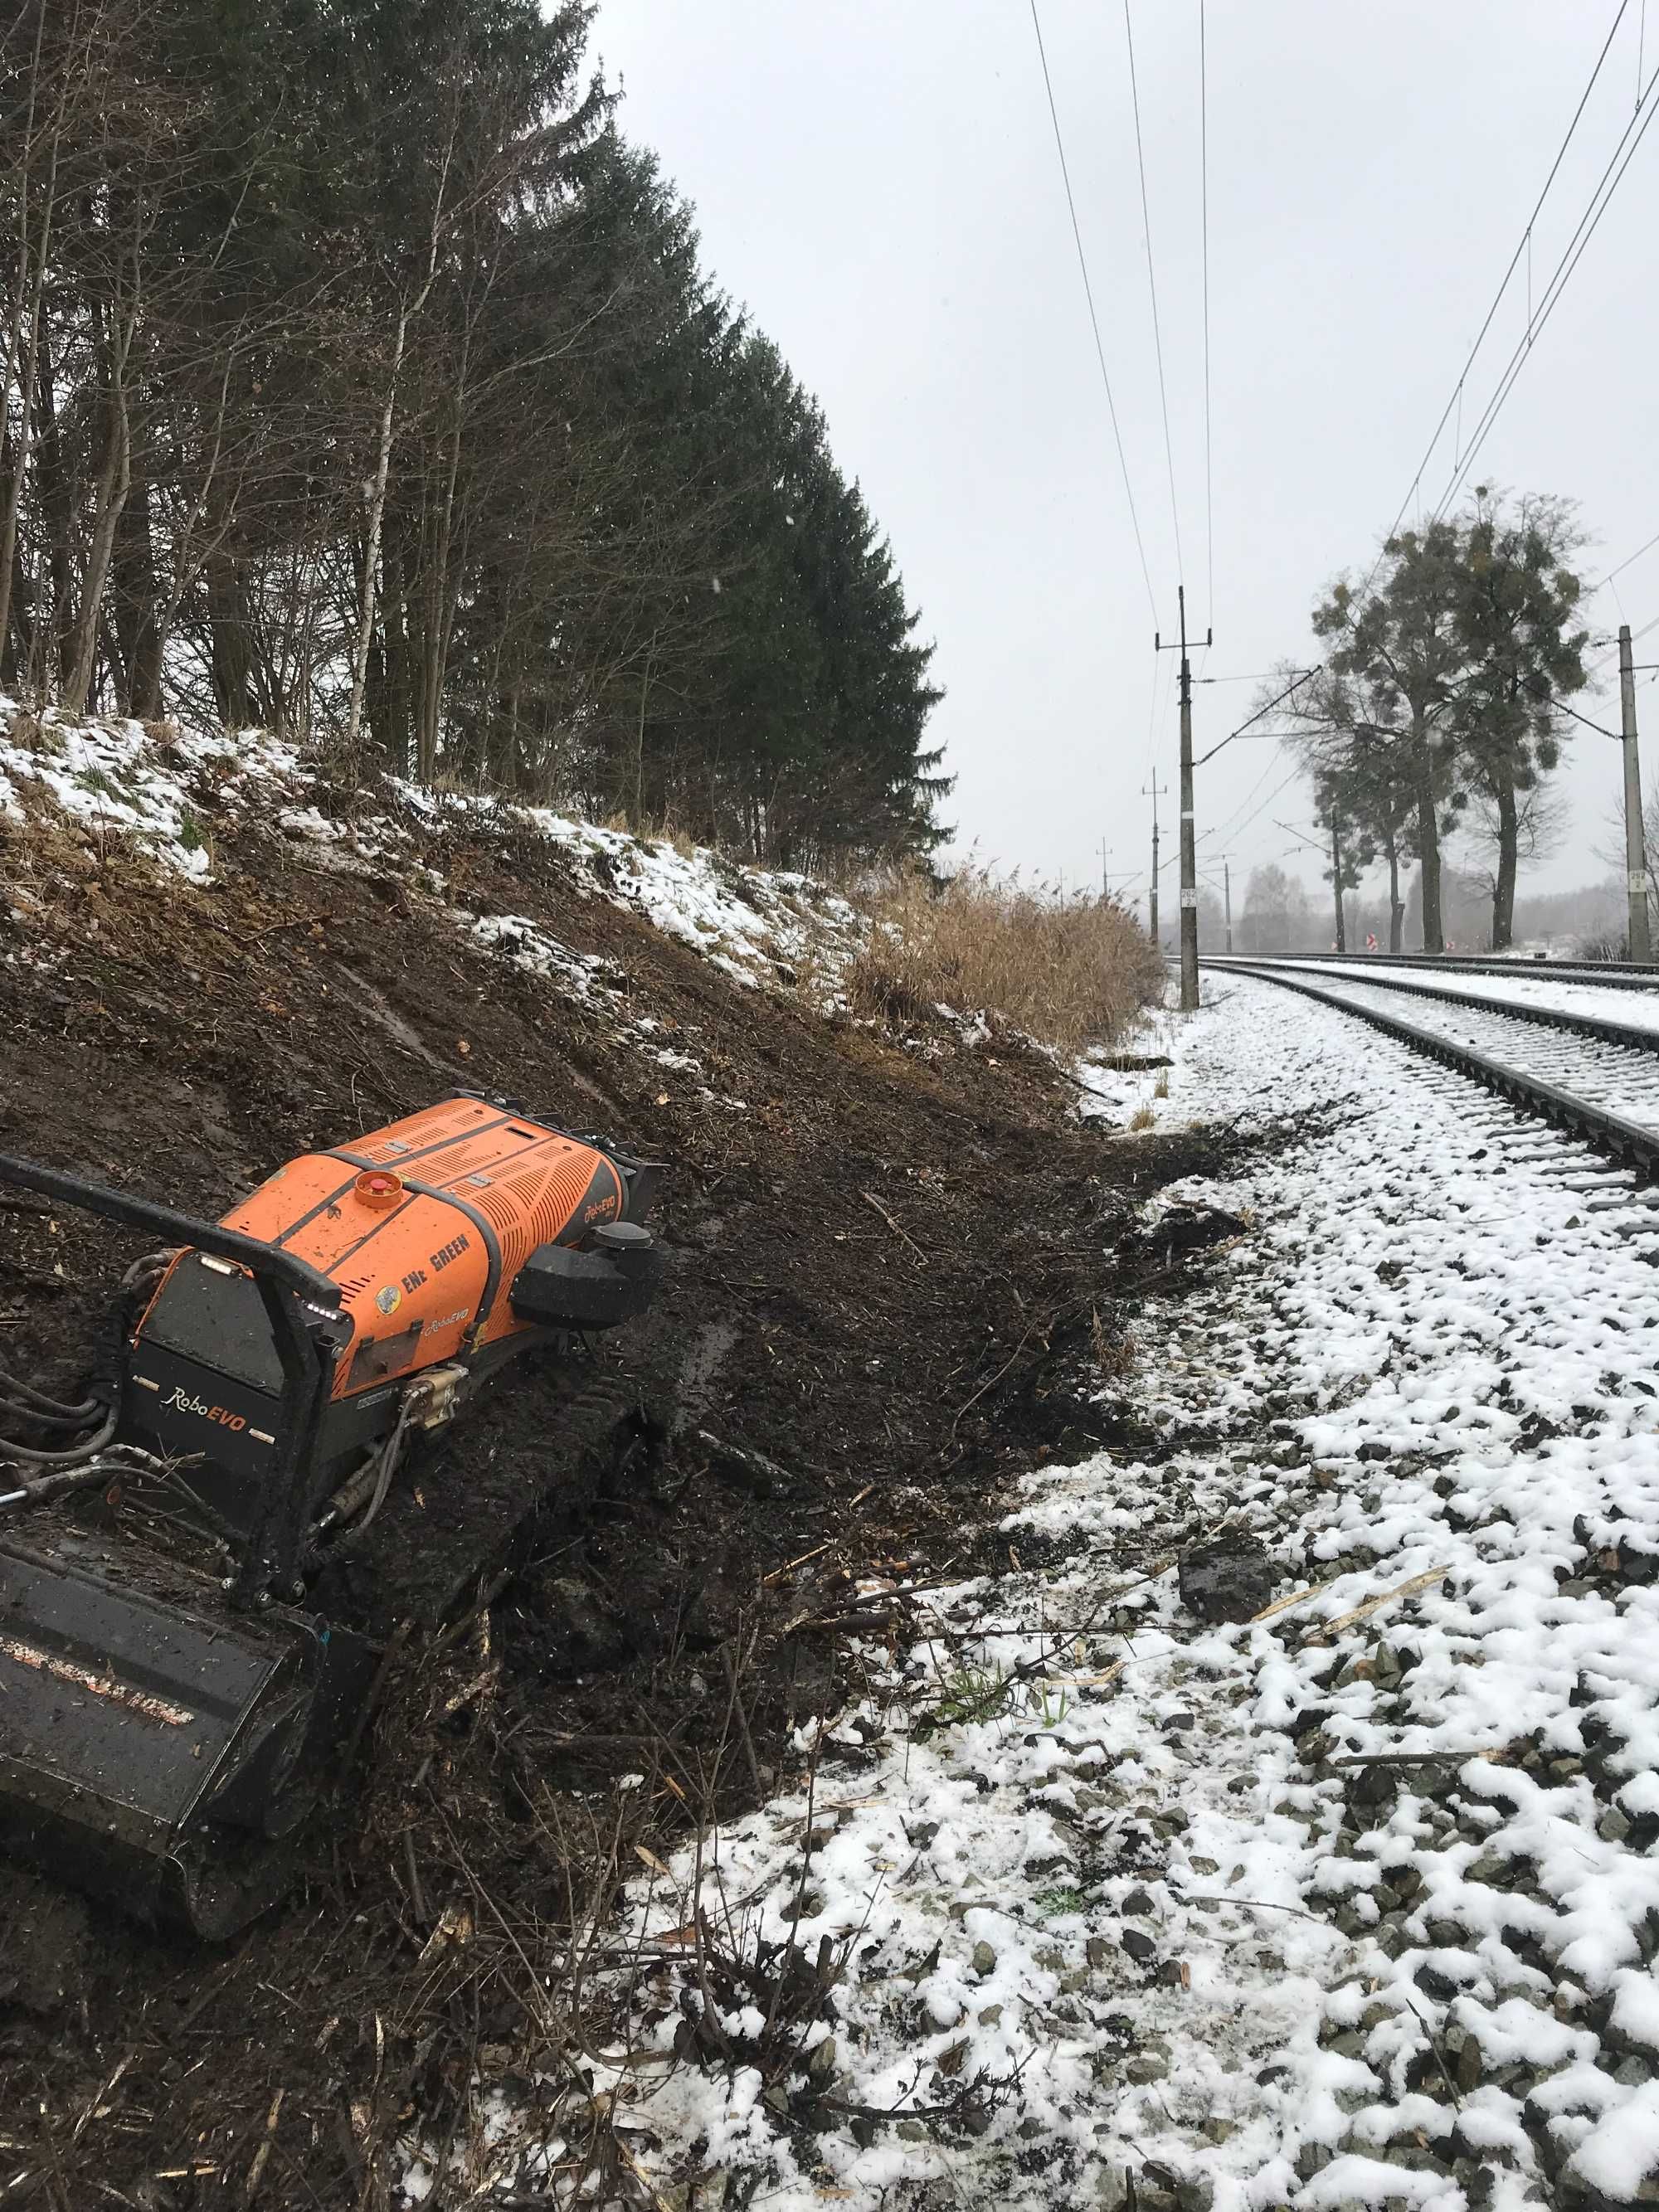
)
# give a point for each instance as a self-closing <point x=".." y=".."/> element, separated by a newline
<point x="1230" y="1579"/>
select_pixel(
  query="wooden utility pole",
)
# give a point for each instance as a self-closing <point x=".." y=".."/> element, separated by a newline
<point x="1227" y="894"/>
<point x="1636" y="858"/>
<point x="1154" y="787"/>
<point x="1188" y="843"/>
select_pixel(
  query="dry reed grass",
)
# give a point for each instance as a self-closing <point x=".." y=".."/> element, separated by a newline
<point x="1066" y="968"/>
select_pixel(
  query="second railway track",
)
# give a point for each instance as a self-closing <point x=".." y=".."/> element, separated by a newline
<point x="1588" y="1076"/>
<point x="1605" y="974"/>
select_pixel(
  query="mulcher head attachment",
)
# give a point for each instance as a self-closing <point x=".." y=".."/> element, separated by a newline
<point x="153" y="1756"/>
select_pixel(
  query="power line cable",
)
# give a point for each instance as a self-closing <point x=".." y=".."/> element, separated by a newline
<point x="1629" y="561"/>
<point x="1151" y="284"/>
<point x="1497" y="296"/>
<point x="1235" y="828"/>
<point x="1284" y="785"/>
<point x="1094" y="320"/>
<point x="1203" y="203"/>
<point x="1163" y="689"/>
<point x="1570" y="260"/>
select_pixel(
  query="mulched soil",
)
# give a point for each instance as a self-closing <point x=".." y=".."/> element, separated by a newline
<point x="887" y="1276"/>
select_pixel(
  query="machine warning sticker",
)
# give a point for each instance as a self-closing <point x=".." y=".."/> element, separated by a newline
<point x="99" y="1686"/>
<point x="389" y="1298"/>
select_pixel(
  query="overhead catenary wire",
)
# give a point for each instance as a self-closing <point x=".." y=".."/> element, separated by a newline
<point x="1521" y="248"/>
<point x="1094" y="318"/>
<point x="1239" y="821"/>
<point x="1600" y="200"/>
<point x="1152" y="286"/>
<point x="1629" y="561"/>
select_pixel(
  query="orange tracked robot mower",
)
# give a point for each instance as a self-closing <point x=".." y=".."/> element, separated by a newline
<point x="175" y="1686"/>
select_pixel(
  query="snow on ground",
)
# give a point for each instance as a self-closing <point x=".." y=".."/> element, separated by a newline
<point x="168" y="791"/>
<point x="1355" y="1905"/>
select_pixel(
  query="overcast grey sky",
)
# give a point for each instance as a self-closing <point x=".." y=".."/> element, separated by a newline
<point x="878" y="185"/>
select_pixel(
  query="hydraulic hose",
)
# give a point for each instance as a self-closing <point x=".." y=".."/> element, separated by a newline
<point x="391" y="1453"/>
<point x="13" y="1386"/>
<point x="11" y="1409"/>
<point x="82" y="1453"/>
<point x="152" y="1263"/>
<point x="53" y="1486"/>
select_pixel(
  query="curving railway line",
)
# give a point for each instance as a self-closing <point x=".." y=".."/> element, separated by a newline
<point x="1588" y="1074"/>
<point x="1609" y="974"/>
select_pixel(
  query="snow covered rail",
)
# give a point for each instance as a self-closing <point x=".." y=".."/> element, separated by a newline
<point x="1588" y="1078"/>
<point x="1606" y="974"/>
<point x="1554" y="1003"/>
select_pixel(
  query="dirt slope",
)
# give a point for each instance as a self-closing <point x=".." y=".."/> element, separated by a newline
<point x="884" y="1274"/>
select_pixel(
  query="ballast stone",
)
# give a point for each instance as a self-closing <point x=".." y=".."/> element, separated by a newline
<point x="1230" y="1579"/>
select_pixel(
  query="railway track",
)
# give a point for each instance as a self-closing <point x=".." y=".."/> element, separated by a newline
<point x="1637" y="1027"/>
<point x="1586" y="1075"/>
<point x="1606" y="975"/>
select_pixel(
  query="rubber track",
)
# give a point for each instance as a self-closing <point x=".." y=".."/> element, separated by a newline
<point x="1634" y="1147"/>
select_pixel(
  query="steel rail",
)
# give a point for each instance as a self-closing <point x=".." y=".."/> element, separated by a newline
<point x="1628" y="1142"/>
<point x="1608" y="974"/>
<point x="1550" y="1018"/>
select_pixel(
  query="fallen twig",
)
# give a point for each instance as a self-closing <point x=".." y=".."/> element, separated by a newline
<point x="261" y="2157"/>
<point x="967" y="1403"/>
<point x="1256" y="1904"/>
<point x="1375" y="1605"/>
<point x="870" y="1199"/>
<point x="1086" y="1681"/>
<point x="1417" y="1758"/>
<point x="1434" y="2045"/>
<point x="729" y="1660"/>
<point x="1296" y="1597"/>
<point x="292" y="921"/>
<point x="789" y="1566"/>
<point x="751" y="1470"/>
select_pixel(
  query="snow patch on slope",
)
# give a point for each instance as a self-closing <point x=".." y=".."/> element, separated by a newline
<point x="167" y="790"/>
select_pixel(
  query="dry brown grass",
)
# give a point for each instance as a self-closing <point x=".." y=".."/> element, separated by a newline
<point x="1062" y="967"/>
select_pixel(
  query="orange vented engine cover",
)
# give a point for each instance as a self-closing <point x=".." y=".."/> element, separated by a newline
<point x="426" y="1228"/>
<point x="424" y="1264"/>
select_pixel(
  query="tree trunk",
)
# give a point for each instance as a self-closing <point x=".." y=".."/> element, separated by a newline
<point x="440" y="597"/>
<point x="138" y="623"/>
<point x="23" y="357"/>
<point x="1428" y="834"/>
<point x="1336" y="880"/>
<point x="507" y="726"/>
<point x="395" y="706"/>
<point x="1509" y="838"/>
<point x="16" y="632"/>
<point x="376" y="519"/>
<point x="638" y="743"/>
<point x="114" y="483"/>
<point x="228" y="625"/>
<point x="1396" y="904"/>
<point x="51" y="631"/>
